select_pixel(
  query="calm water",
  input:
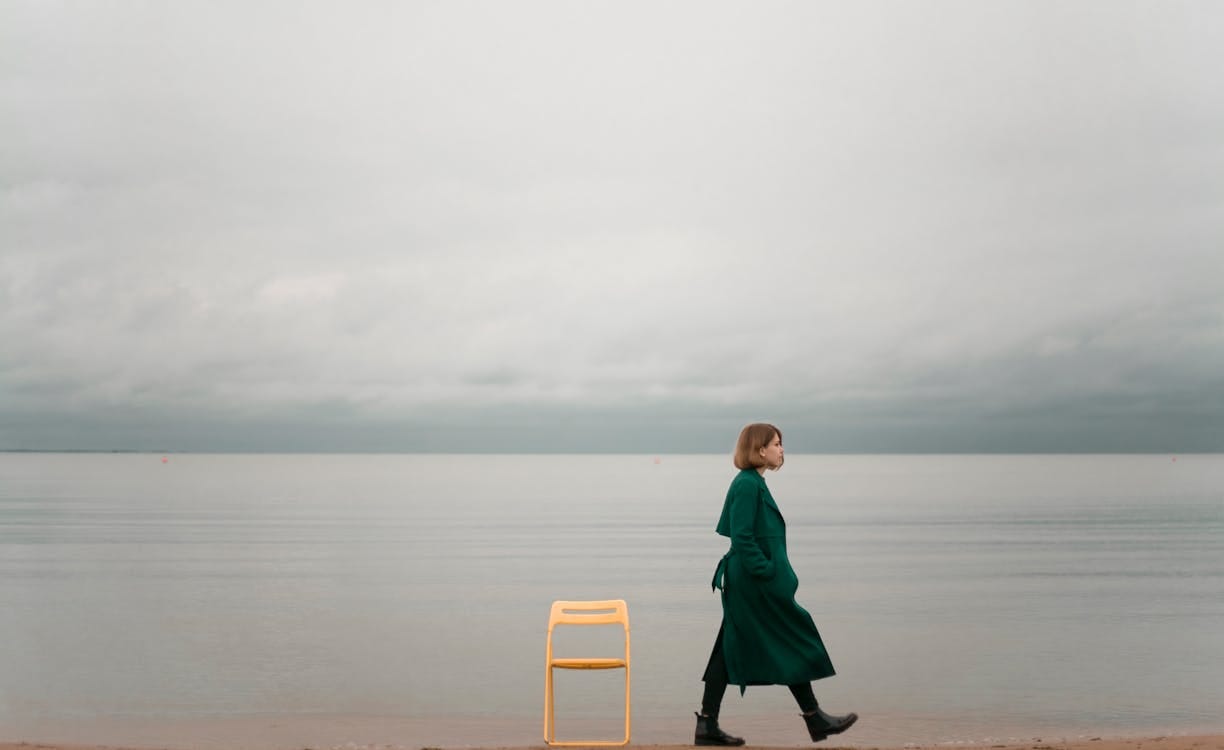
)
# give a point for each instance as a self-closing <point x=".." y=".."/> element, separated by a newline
<point x="961" y="597"/>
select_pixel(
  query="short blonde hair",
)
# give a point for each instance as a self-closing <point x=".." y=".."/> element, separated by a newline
<point x="752" y="439"/>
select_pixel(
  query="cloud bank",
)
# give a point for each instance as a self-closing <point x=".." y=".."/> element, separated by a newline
<point x="550" y="226"/>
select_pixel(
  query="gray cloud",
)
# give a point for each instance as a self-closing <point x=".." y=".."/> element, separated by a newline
<point x="896" y="226"/>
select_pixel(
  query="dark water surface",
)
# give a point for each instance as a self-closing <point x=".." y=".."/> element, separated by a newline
<point x="961" y="597"/>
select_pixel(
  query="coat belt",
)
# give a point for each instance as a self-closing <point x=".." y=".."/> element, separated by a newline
<point x="720" y="573"/>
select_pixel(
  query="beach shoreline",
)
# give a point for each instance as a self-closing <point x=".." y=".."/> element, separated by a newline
<point x="358" y="734"/>
<point x="1165" y="742"/>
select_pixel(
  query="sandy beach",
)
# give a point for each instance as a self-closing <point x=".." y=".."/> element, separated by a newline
<point x="1172" y="742"/>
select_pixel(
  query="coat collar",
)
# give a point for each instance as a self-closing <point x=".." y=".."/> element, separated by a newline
<point x="754" y="474"/>
<point x="757" y="477"/>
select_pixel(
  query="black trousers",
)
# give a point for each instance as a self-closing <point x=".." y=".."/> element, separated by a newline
<point x="716" y="681"/>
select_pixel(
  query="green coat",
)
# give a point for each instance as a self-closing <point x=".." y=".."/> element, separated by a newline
<point x="768" y="639"/>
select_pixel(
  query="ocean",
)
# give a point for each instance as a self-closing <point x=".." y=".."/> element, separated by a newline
<point x="402" y="600"/>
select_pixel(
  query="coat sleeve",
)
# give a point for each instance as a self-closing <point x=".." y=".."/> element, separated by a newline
<point x="743" y="532"/>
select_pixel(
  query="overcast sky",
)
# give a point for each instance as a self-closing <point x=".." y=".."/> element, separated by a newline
<point x="527" y="226"/>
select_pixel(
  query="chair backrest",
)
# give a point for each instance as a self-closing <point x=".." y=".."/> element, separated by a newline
<point x="606" y="612"/>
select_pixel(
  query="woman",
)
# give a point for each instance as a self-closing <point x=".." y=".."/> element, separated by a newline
<point x="766" y="638"/>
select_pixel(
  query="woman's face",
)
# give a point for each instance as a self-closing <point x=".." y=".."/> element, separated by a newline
<point x="771" y="454"/>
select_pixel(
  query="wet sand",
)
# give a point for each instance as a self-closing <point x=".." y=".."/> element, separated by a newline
<point x="1197" y="742"/>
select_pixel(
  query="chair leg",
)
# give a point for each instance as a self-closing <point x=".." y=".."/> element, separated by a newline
<point x="626" y="704"/>
<point x="550" y="730"/>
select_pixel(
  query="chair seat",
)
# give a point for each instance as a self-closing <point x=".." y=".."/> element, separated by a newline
<point x="592" y="663"/>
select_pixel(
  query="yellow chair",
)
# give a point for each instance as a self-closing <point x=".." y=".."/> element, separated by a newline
<point x="609" y="612"/>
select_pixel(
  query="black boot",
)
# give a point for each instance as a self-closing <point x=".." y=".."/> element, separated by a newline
<point x="708" y="733"/>
<point x="820" y="725"/>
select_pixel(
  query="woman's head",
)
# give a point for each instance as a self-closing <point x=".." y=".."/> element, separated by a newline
<point x="759" y="446"/>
